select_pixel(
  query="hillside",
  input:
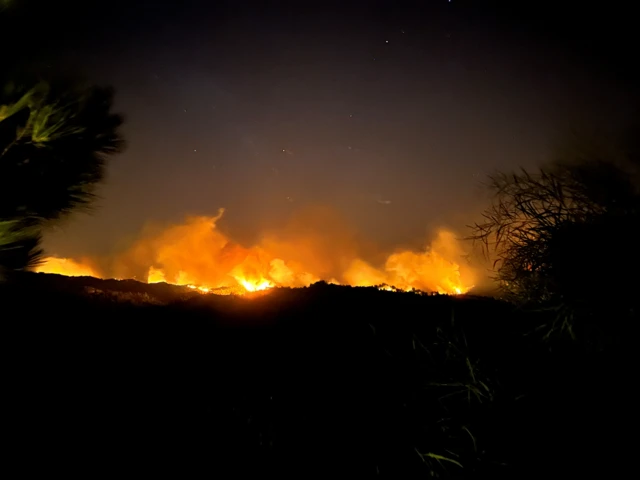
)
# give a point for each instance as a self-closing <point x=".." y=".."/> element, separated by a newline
<point x="106" y="375"/>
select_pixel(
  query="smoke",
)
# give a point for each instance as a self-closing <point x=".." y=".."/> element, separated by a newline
<point x="316" y="244"/>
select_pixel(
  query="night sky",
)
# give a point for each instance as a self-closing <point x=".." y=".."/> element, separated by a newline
<point x="391" y="112"/>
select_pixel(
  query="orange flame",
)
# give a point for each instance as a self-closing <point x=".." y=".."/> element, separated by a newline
<point x="66" y="266"/>
<point x="314" y="247"/>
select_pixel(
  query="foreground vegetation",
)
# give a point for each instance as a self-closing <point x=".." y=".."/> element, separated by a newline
<point x="105" y="376"/>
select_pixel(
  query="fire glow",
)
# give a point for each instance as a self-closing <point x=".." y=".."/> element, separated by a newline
<point x="315" y="246"/>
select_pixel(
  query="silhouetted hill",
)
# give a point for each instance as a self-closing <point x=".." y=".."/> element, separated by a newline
<point x="113" y="376"/>
<point x="124" y="290"/>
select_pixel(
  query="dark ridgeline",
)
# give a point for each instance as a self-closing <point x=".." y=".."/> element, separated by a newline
<point x="300" y="382"/>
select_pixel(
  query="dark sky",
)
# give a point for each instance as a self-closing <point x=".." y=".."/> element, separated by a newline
<point x="390" y="111"/>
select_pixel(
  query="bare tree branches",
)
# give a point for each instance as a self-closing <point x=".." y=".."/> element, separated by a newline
<point x="531" y="211"/>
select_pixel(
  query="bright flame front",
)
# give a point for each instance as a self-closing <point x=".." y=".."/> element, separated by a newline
<point x="67" y="267"/>
<point x="197" y="255"/>
<point x="252" y="286"/>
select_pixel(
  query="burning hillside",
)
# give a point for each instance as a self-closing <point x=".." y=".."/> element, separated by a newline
<point x="314" y="246"/>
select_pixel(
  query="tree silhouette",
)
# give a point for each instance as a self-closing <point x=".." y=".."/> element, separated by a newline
<point x="55" y="139"/>
<point x="563" y="238"/>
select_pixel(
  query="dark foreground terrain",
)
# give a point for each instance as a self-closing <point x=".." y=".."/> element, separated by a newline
<point x="122" y="378"/>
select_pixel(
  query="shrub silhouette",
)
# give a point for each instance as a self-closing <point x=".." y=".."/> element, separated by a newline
<point x="562" y="238"/>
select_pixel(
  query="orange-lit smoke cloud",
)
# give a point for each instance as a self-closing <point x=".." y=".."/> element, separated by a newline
<point x="68" y="267"/>
<point x="315" y="245"/>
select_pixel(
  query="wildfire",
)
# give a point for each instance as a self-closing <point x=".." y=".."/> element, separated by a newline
<point x="315" y="247"/>
<point x="255" y="286"/>
<point x="66" y="266"/>
<point x="200" y="289"/>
